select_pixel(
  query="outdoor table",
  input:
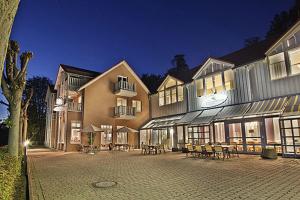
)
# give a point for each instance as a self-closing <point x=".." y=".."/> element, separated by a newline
<point x="153" y="147"/>
<point x="121" y="145"/>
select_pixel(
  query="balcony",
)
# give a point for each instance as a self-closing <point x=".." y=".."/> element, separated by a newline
<point x="74" y="107"/>
<point x="124" y="112"/>
<point x="124" y="88"/>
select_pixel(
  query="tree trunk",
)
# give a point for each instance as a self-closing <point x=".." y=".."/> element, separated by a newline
<point x="8" y="10"/>
<point x="13" y="138"/>
<point x="25" y="127"/>
<point x="21" y="129"/>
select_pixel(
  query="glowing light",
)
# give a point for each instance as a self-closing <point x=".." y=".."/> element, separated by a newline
<point x="26" y="143"/>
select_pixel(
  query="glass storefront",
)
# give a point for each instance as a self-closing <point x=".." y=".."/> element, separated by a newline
<point x="122" y="138"/>
<point x="273" y="133"/>
<point x="162" y="136"/>
<point x="219" y="132"/>
<point x="253" y="136"/>
<point x="199" y="135"/>
<point x="235" y="135"/>
<point x="290" y="137"/>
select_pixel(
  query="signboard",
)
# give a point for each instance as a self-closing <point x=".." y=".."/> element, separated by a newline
<point x="213" y="100"/>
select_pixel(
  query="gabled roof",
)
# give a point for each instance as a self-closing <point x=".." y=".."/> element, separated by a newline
<point x="122" y="63"/>
<point x="210" y="60"/>
<point x="79" y="71"/>
<point x="166" y="79"/>
<point x="293" y="29"/>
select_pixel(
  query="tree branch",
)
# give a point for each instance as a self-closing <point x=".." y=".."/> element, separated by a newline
<point x="25" y="57"/>
<point x="5" y="88"/>
<point x="4" y="103"/>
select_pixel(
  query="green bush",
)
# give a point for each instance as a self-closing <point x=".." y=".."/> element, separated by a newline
<point x="10" y="175"/>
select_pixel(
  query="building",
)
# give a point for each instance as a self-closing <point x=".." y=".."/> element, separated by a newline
<point x="110" y="100"/>
<point x="249" y="98"/>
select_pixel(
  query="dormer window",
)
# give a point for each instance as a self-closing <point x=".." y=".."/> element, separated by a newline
<point x="294" y="56"/>
<point x="277" y="66"/>
<point x="122" y="79"/>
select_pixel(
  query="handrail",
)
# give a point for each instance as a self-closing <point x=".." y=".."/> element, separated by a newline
<point x="125" y="85"/>
<point x="125" y="110"/>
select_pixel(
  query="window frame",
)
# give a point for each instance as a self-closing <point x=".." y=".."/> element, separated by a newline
<point x="135" y="104"/>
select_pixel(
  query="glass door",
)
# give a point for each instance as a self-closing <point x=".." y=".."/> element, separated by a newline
<point x="290" y="129"/>
<point x="235" y="136"/>
<point x="253" y="136"/>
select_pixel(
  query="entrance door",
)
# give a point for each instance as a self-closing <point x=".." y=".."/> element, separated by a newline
<point x="235" y="135"/>
<point x="290" y="129"/>
<point x="253" y="139"/>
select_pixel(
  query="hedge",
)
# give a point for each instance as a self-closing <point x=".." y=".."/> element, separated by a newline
<point x="11" y="179"/>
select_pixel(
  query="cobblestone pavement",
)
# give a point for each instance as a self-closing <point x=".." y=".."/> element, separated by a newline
<point x="60" y="175"/>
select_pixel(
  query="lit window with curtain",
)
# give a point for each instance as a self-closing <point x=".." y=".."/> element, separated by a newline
<point x="218" y="83"/>
<point x="199" y="87"/>
<point x="209" y="85"/>
<point x="180" y="93"/>
<point x="161" y="97"/>
<point x="137" y="105"/>
<point x="168" y="96"/>
<point x="277" y="66"/>
<point x="229" y="79"/>
<point x="294" y="56"/>
<point x="173" y="92"/>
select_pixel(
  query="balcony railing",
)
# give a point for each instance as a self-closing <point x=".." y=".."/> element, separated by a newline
<point x="76" y="82"/>
<point x="125" y="112"/>
<point x="124" y="85"/>
<point x="75" y="107"/>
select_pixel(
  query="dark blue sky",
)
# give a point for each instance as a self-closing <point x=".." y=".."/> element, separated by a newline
<point x="95" y="34"/>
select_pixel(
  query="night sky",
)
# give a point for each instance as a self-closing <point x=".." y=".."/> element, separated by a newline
<point x="96" y="34"/>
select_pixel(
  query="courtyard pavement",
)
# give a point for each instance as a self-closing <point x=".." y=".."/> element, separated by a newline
<point x="62" y="175"/>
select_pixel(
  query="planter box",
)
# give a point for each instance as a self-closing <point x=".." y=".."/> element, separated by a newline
<point x="269" y="153"/>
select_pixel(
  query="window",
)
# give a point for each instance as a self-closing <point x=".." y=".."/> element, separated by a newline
<point x="75" y="133"/>
<point x="168" y="96"/>
<point x="121" y="138"/>
<point x="106" y="135"/>
<point x="294" y="56"/>
<point x="229" y="79"/>
<point x="199" y="86"/>
<point x="209" y="85"/>
<point x="122" y="78"/>
<point x="161" y="96"/>
<point x="174" y="97"/>
<point x="137" y="105"/>
<point x="180" y="93"/>
<point x="277" y="66"/>
<point x="121" y="102"/>
<point x="218" y="83"/>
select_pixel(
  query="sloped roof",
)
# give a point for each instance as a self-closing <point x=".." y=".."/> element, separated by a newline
<point x="249" y="54"/>
<point x="79" y="71"/>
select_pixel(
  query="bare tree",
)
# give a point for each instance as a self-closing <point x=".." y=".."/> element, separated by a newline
<point x="8" y="10"/>
<point x="13" y="84"/>
<point x="24" y="116"/>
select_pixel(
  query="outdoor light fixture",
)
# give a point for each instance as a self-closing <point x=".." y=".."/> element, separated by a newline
<point x="59" y="105"/>
<point x="26" y="143"/>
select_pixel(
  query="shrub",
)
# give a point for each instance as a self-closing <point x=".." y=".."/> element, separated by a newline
<point x="10" y="175"/>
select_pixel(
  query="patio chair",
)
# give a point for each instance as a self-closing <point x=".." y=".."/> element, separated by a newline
<point x="190" y="150"/>
<point x="233" y="149"/>
<point x="152" y="150"/>
<point x="208" y="150"/>
<point x="219" y="152"/>
<point x="198" y="151"/>
<point x="83" y="149"/>
<point x="144" y="149"/>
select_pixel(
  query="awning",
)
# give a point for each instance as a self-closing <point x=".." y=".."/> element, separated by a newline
<point x="206" y="117"/>
<point x="293" y="106"/>
<point x="188" y="117"/>
<point x="91" y="129"/>
<point x="127" y="130"/>
<point x="162" y="122"/>
<point x="233" y="111"/>
<point x="267" y="106"/>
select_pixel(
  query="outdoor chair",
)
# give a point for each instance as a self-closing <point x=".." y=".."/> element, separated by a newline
<point x="152" y="150"/>
<point x="233" y="150"/>
<point x="208" y="150"/>
<point x="144" y="149"/>
<point x="198" y="151"/>
<point x="219" y="152"/>
<point x="190" y="150"/>
<point x="83" y="149"/>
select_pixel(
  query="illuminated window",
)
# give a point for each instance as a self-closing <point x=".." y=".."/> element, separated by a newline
<point x="229" y="79"/>
<point x="121" y="102"/>
<point x="294" y="56"/>
<point x="161" y="95"/>
<point x="180" y="93"/>
<point x="75" y="132"/>
<point x="174" y="98"/>
<point x="168" y="96"/>
<point x="209" y="85"/>
<point x="218" y="83"/>
<point x="137" y="105"/>
<point x="277" y="66"/>
<point x="199" y="86"/>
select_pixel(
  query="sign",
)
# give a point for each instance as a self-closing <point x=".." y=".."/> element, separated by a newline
<point x="213" y="100"/>
<point x="75" y="136"/>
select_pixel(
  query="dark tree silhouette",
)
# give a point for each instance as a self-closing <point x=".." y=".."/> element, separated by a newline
<point x="180" y="69"/>
<point x="252" y="41"/>
<point x="152" y="81"/>
<point x="37" y="108"/>
<point x="284" y="20"/>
